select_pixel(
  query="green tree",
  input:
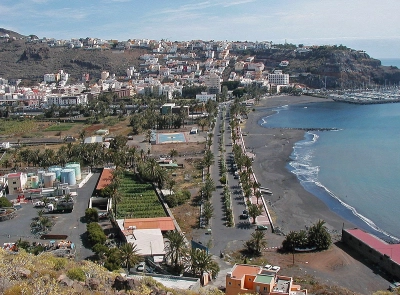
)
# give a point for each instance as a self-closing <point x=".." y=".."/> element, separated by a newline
<point x="256" y="242"/>
<point x="95" y="234"/>
<point x="4" y="202"/>
<point x="318" y="236"/>
<point x="208" y="160"/>
<point x="91" y="215"/>
<point x="254" y="211"/>
<point x="201" y="262"/>
<point x="208" y="211"/>
<point x="129" y="255"/>
<point x="175" y="249"/>
<point x="208" y="188"/>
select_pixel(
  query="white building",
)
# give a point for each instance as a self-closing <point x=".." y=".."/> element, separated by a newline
<point x="204" y="97"/>
<point x="64" y="100"/>
<point x="278" y="78"/>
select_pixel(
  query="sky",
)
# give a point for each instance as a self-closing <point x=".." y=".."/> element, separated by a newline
<point x="373" y="26"/>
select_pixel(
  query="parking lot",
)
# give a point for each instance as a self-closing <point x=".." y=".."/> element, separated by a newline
<point x="70" y="224"/>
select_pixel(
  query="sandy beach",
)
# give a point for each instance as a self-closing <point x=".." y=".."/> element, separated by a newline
<point x="292" y="207"/>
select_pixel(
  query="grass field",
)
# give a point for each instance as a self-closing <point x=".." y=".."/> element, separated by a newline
<point x="9" y="127"/>
<point x="139" y="200"/>
<point x="60" y="127"/>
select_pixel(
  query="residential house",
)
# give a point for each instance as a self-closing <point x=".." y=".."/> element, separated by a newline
<point x="244" y="278"/>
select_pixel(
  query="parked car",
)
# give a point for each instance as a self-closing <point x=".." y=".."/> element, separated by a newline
<point x="262" y="227"/>
<point x="244" y="215"/>
<point x="141" y="266"/>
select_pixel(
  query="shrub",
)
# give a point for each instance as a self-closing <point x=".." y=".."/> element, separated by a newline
<point x="223" y="179"/>
<point x="95" y="234"/>
<point x="5" y="203"/>
<point x="91" y="215"/>
<point x="60" y="263"/>
<point x="76" y="274"/>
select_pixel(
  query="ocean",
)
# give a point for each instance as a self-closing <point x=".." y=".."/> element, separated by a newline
<point x="390" y="62"/>
<point x="354" y="169"/>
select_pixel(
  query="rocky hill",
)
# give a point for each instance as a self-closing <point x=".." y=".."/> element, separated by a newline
<point x="331" y="67"/>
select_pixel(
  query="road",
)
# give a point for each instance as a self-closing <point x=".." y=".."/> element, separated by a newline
<point x="223" y="238"/>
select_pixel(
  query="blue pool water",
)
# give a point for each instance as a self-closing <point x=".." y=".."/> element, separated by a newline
<point x="171" y="137"/>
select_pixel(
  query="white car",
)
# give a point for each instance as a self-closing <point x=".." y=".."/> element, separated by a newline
<point x="141" y="266"/>
<point x="276" y="268"/>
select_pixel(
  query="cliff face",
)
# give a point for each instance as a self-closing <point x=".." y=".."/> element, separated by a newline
<point x="338" y="67"/>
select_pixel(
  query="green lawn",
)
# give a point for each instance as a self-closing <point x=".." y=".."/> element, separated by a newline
<point x="139" y="200"/>
<point x="59" y="127"/>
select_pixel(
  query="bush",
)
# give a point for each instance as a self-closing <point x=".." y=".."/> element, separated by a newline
<point x="91" y="215"/>
<point x="5" y="203"/>
<point x="223" y="179"/>
<point x="76" y="274"/>
<point x="178" y="199"/>
<point x="95" y="234"/>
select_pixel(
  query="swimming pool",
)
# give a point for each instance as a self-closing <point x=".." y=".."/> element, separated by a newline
<point x="170" y="137"/>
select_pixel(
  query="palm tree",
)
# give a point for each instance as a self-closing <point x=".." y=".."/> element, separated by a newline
<point x="129" y="255"/>
<point x="258" y="195"/>
<point x="201" y="261"/>
<point x="173" y="153"/>
<point x="254" y="211"/>
<point x="150" y="169"/>
<point x="318" y="236"/>
<point x="175" y="248"/>
<point x="208" y="211"/>
<point x="208" y="160"/>
<point x="208" y="188"/>
<point x="257" y="242"/>
<point x="45" y="223"/>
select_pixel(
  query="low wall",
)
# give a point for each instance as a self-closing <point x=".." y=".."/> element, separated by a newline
<point x="382" y="260"/>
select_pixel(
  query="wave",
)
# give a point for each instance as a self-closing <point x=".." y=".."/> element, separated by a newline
<point x="301" y="166"/>
<point x="275" y="111"/>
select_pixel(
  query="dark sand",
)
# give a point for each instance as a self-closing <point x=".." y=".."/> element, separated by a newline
<point x="292" y="207"/>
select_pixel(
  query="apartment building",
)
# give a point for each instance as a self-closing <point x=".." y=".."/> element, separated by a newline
<point x="213" y="83"/>
<point x="278" y="78"/>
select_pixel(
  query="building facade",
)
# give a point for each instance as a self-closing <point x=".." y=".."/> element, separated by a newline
<point x="278" y="78"/>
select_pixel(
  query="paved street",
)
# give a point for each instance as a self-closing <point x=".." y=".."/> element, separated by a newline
<point x="224" y="238"/>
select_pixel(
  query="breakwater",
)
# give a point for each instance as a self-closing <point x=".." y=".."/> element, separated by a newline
<point x="352" y="101"/>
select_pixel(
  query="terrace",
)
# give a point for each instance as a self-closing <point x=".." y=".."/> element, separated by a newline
<point x="138" y="200"/>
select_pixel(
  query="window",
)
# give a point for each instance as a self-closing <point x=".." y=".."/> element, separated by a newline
<point x="14" y="182"/>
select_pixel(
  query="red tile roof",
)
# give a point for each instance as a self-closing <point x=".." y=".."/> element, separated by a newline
<point x="13" y="175"/>
<point x="105" y="178"/>
<point x="391" y="250"/>
<point x="163" y="223"/>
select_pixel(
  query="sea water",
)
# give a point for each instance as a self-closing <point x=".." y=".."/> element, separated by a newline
<point x="354" y="169"/>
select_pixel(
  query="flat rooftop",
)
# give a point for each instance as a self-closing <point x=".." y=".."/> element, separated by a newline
<point x="239" y="270"/>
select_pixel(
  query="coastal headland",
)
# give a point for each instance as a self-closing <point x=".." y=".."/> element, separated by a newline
<point x="293" y="208"/>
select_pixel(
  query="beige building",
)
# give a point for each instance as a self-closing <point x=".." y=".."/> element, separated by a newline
<point x="16" y="182"/>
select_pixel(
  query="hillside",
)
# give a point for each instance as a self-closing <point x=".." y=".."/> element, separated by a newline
<point x="332" y="67"/>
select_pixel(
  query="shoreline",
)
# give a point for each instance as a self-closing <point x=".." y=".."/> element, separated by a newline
<point x="292" y="207"/>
